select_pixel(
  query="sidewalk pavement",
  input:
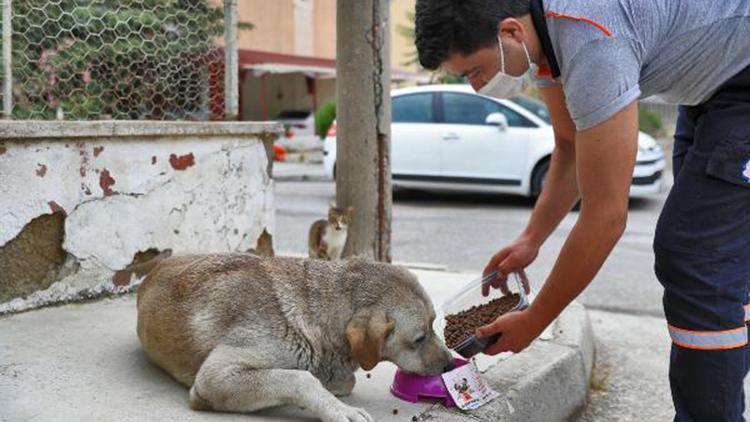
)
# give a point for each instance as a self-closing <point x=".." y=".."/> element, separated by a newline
<point x="84" y="362"/>
<point x="630" y="379"/>
<point x="289" y="171"/>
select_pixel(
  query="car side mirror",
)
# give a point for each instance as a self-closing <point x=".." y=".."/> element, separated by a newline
<point x="497" y="119"/>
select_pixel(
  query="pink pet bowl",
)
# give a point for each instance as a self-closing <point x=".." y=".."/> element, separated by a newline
<point x="413" y="388"/>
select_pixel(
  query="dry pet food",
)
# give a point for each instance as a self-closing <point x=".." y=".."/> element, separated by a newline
<point x="461" y="326"/>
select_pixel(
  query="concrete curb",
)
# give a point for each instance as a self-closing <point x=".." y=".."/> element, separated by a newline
<point x="547" y="382"/>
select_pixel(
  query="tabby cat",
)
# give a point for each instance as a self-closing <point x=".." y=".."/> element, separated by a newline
<point x="328" y="237"/>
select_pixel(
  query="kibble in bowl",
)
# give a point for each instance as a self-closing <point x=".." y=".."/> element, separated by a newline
<point x="469" y="310"/>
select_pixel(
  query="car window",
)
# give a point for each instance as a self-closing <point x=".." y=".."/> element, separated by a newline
<point x="467" y="109"/>
<point x="415" y="108"/>
<point x="537" y="107"/>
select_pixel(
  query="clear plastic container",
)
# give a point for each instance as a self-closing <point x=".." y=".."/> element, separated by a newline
<point x="471" y="296"/>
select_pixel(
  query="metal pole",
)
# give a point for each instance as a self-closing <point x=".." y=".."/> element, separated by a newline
<point x="7" y="69"/>
<point x="231" y="61"/>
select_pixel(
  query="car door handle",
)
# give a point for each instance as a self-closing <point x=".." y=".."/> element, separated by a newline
<point x="451" y="137"/>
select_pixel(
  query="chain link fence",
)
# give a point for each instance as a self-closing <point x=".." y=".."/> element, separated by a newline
<point x="114" y="59"/>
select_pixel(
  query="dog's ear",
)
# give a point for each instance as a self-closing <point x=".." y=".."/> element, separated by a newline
<point x="366" y="333"/>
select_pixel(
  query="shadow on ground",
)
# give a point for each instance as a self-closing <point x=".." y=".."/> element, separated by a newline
<point x="421" y="197"/>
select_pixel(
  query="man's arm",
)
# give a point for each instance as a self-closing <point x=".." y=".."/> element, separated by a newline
<point x="605" y="158"/>
<point x="561" y="190"/>
<point x="555" y="201"/>
<point x="605" y="162"/>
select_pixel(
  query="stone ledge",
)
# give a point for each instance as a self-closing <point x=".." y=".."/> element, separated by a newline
<point x="119" y="190"/>
<point x="19" y="130"/>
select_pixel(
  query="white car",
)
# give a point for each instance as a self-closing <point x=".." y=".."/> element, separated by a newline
<point x="299" y="130"/>
<point x="448" y="138"/>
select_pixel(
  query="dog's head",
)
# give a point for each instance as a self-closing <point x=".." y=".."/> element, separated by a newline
<point x="398" y="327"/>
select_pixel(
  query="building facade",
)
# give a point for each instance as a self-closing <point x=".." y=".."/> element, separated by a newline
<point x="288" y="59"/>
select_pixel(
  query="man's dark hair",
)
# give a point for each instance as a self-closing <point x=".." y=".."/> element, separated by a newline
<point x="444" y="27"/>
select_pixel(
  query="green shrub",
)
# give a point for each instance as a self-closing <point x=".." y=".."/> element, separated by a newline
<point x="649" y="121"/>
<point x="324" y="118"/>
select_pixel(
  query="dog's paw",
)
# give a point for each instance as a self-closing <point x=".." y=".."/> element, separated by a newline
<point x="344" y="413"/>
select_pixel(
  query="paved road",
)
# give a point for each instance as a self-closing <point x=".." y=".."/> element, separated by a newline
<point x="463" y="231"/>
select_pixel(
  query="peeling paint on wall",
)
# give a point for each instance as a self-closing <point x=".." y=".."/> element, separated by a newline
<point x="264" y="245"/>
<point x="55" y="207"/>
<point x="84" y="159"/>
<point x="41" y="170"/>
<point x="97" y="151"/>
<point x="223" y="205"/>
<point x="106" y="182"/>
<point x="182" y="162"/>
<point x="32" y="260"/>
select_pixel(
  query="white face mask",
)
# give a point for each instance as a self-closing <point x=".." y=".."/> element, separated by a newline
<point x="503" y="85"/>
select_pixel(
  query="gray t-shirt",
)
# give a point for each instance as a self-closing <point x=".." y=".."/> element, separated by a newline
<point x="612" y="52"/>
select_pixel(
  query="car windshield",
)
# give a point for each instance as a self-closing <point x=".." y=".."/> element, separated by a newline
<point x="534" y="106"/>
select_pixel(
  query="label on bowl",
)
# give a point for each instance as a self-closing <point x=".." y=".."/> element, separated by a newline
<point x="468" y="388"/>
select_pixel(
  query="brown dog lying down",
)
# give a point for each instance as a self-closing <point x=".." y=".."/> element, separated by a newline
<point x="247" y="333"/>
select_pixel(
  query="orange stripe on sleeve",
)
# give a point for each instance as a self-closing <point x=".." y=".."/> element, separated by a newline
<point x="592" y="22"/>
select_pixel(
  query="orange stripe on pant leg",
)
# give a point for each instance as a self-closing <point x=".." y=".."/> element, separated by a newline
<point x="708" y="340"/>
<point x="727" y="347"/>
<point x="733" y="330"/>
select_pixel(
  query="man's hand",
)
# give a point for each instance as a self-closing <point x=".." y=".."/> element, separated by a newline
<point x="518" y="330"/>
<point x="513" y="258"/>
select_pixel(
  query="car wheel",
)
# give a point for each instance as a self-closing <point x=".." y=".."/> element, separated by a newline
<point x="539" y="178"/>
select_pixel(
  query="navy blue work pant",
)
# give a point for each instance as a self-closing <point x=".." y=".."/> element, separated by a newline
<point x="702" y="247"/>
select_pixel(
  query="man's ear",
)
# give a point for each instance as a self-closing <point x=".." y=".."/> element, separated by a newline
<point x="366" y="333"/>
<point x="512" y="26"/>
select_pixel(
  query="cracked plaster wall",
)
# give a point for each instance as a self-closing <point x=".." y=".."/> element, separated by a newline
<point x="123" y="195"/>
